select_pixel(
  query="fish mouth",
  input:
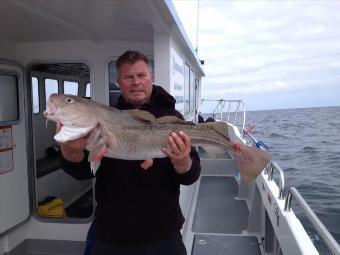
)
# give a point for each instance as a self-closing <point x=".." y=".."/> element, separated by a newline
<point x="51" y="109"/>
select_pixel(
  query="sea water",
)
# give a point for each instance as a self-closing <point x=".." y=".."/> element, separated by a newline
<point x="306" y="144"/>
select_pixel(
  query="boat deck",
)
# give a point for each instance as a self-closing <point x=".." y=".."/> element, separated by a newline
<point x="224" y="245"/>
<point x="220" y="219"/>
<point x="217" y="210"/>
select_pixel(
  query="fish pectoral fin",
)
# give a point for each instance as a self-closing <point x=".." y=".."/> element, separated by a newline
<point x="95" y="157"/>
<point x="213" y="151"/>
<point x="141" y="115"/>
<point x="68" y="133"/>
<point x="94" y="166"/>
<point x="97" y="153"/>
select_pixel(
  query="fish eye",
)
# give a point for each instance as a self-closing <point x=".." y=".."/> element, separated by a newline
<point x="68" y="100"/>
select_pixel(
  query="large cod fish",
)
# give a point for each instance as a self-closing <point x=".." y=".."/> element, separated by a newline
<point x="138" y="135"/>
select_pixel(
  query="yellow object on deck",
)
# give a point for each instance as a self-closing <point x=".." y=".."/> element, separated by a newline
<point x="54" y="208"/>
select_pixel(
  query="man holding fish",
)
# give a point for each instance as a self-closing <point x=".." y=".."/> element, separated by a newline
<point x="140" y="153"/>
<point x="138" y="209"/>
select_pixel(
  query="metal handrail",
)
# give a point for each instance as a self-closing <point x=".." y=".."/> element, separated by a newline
<point x="229" y="105"/>
<point x="331" y="243"/>
<point x="275" y="166"/>
<point x="256" y="142"/>
<point x="253" y="138"/>
<point x="221" y="105"/>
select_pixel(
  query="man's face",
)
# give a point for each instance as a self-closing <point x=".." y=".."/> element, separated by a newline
<point x="135" y="82"/>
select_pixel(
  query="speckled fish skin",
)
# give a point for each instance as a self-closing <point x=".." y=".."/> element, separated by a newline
<point x="134" y="134"/>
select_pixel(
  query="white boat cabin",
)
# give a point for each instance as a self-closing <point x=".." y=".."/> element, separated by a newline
<point x="71" y="47"/>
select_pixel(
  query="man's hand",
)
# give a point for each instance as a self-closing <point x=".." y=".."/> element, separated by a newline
<point x="146" y="164"/>
<point x="179" y="151"/>
<point x="72" y="150"/>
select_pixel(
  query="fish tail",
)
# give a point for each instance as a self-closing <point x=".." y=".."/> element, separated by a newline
<point x="254" y="164"/>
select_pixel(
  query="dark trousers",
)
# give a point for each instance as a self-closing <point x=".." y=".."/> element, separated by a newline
<point x="171" y="245"/>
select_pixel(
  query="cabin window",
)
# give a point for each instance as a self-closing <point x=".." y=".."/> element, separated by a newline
<point x="186" y="89"/>
<point x="189" y="90"/>
<point x="9" y="98"/>
<point x="196" y="92"/>
<point x="35" y="95"/>
<point x="88" y="90"/>
<point x="192" y="92"/>
<point x="114" y="90"/>
<point x="71" y="88"/>
<point x="51" y="87"/>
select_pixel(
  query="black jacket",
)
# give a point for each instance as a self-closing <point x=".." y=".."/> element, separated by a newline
<point x="134" y="205"/>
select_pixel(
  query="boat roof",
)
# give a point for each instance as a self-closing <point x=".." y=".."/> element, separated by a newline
<point x="98" y="21"/>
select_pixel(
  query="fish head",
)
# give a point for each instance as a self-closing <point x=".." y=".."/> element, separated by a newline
<point x="70" y="110"/>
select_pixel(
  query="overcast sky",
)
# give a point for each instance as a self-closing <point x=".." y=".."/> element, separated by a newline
<point x="271" y="54"/>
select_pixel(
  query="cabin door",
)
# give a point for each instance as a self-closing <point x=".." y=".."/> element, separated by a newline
<point x="14" y="193"/>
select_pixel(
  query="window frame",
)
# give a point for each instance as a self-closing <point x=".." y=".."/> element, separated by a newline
<point x="42" y="77"/>
<point x="19" y="97"/>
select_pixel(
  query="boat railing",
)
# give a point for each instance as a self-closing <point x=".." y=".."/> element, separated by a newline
<point x="273" y="166"/>
<point x="231" y="108"/>
<point x="254" y="141"/>
<point x="329" y="240"/>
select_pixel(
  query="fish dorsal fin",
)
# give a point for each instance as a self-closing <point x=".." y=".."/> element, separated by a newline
<point x="172" y="120"/>
<point x="141" y="115"/>
<point x="220" y="127"/>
